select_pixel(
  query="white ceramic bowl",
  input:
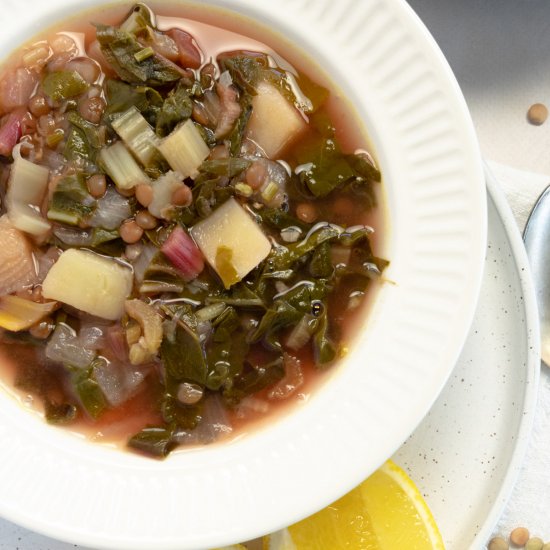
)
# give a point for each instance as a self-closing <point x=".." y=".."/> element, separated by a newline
<point x="392" y="71"/>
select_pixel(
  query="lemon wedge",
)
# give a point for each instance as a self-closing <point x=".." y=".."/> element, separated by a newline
<point x="385" y="512"/>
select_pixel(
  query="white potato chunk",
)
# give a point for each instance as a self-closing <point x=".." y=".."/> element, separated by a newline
<point x="89" y="282"/>
<point x="274" y="122"/>
<point x="231" y="241"/>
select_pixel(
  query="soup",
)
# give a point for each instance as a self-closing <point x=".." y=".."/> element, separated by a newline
<point x="186" y="241"/>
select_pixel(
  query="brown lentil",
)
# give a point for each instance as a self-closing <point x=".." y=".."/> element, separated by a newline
<point x="519" y="536"/>
<point x="182" y="196"/>
<point x="92" y="109"/>
<point x="130" y="232"/>
<point x="255" y="175"/>
<point x="199" y="114"/>
<point x="219" y="152"/>
<point x="133" y="251"/>
<point x="534" y="543"/>
<point x="97" y="185"/>
<point x="306" y="212"/>
<point x="144" y="194"/>
<point x="146" y="220"/>
<point x="537" y="114"/>
<point x="498" y="543"/>
<point x="127" y="192"/>
<point x="38" y="105"/>
<point x="42" y="329"/>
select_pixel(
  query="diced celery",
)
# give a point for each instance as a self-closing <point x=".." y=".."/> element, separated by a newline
<point x="121" y="166"/>
<point x="184" y="149"/>
<point x="138" y="136"/>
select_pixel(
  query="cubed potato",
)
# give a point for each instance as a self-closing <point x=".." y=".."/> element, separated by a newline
<point x="274" y="123"/>
<point x="89" y="282"/>
<point x="232" y="243"/>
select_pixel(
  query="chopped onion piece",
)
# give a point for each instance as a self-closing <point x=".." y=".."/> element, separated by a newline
<point x="117" y="381"/>
<point x="17" y="269"/>
<point x="111" y="210"/>
<point x="182" y="251"/>
<point x="65" y="347"/>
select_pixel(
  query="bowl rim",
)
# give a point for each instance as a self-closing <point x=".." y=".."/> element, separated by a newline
<point x="287" y="447"/>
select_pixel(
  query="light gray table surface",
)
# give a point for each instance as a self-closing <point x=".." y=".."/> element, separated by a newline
<point x="499" y="51"/>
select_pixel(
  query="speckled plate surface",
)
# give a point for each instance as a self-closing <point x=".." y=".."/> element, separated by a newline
<point x="392" y="72"/>
<point x="466" y="454"/>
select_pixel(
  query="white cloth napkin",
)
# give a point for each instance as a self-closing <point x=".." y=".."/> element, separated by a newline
<point x="529" y="504"/>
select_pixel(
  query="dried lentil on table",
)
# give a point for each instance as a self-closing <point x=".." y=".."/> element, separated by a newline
<point x="519" y="536"/>
<point x="498" y="543"/>
<point x="537" y="114"/>
<point x="534" y="543"/>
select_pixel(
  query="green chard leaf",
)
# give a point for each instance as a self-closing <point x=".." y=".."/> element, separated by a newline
<point x="121" y="96"/>
<point x="177" y="107"/>
<point x="59" y="413"/>
<point x="282" y="258"/>
<point x="229" y="167"/>
<point x="62" y="85"/>
<point x="323" y="347"/>
<point x="254" y="380"/>
<point x="226" y="351"/>
<point x="320" y="265"/>
<point x="71" y="203"/>
<point x="153" y="441"/>
<point x="237" y="133"/>
<point x="90" y="130"/>
<point x="77" y="146"/>
<point x="181" y="350"/>
<point x="119" y="48"/>
<point x="88" y="391"/>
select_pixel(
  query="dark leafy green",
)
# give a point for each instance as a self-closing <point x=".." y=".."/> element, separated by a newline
<point x="119" y="48"/>
<point x="61" y="85"/>
<point x="254" y="380"/>
<point x="77" y="146"/>
<point x="155" y="441"/>
<point x="88" y="391"/>
<point x="59" y="413"/>
<point x="229" y="167"/>
<point x="71" y="203"/>
<point x="177" y="107"/>
<point x="181" y="350"/>
<point x="121" y="96"/>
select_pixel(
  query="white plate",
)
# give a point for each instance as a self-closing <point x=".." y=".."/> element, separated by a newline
<point x="394" y="74"/>
<point x="466" y="454"/>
